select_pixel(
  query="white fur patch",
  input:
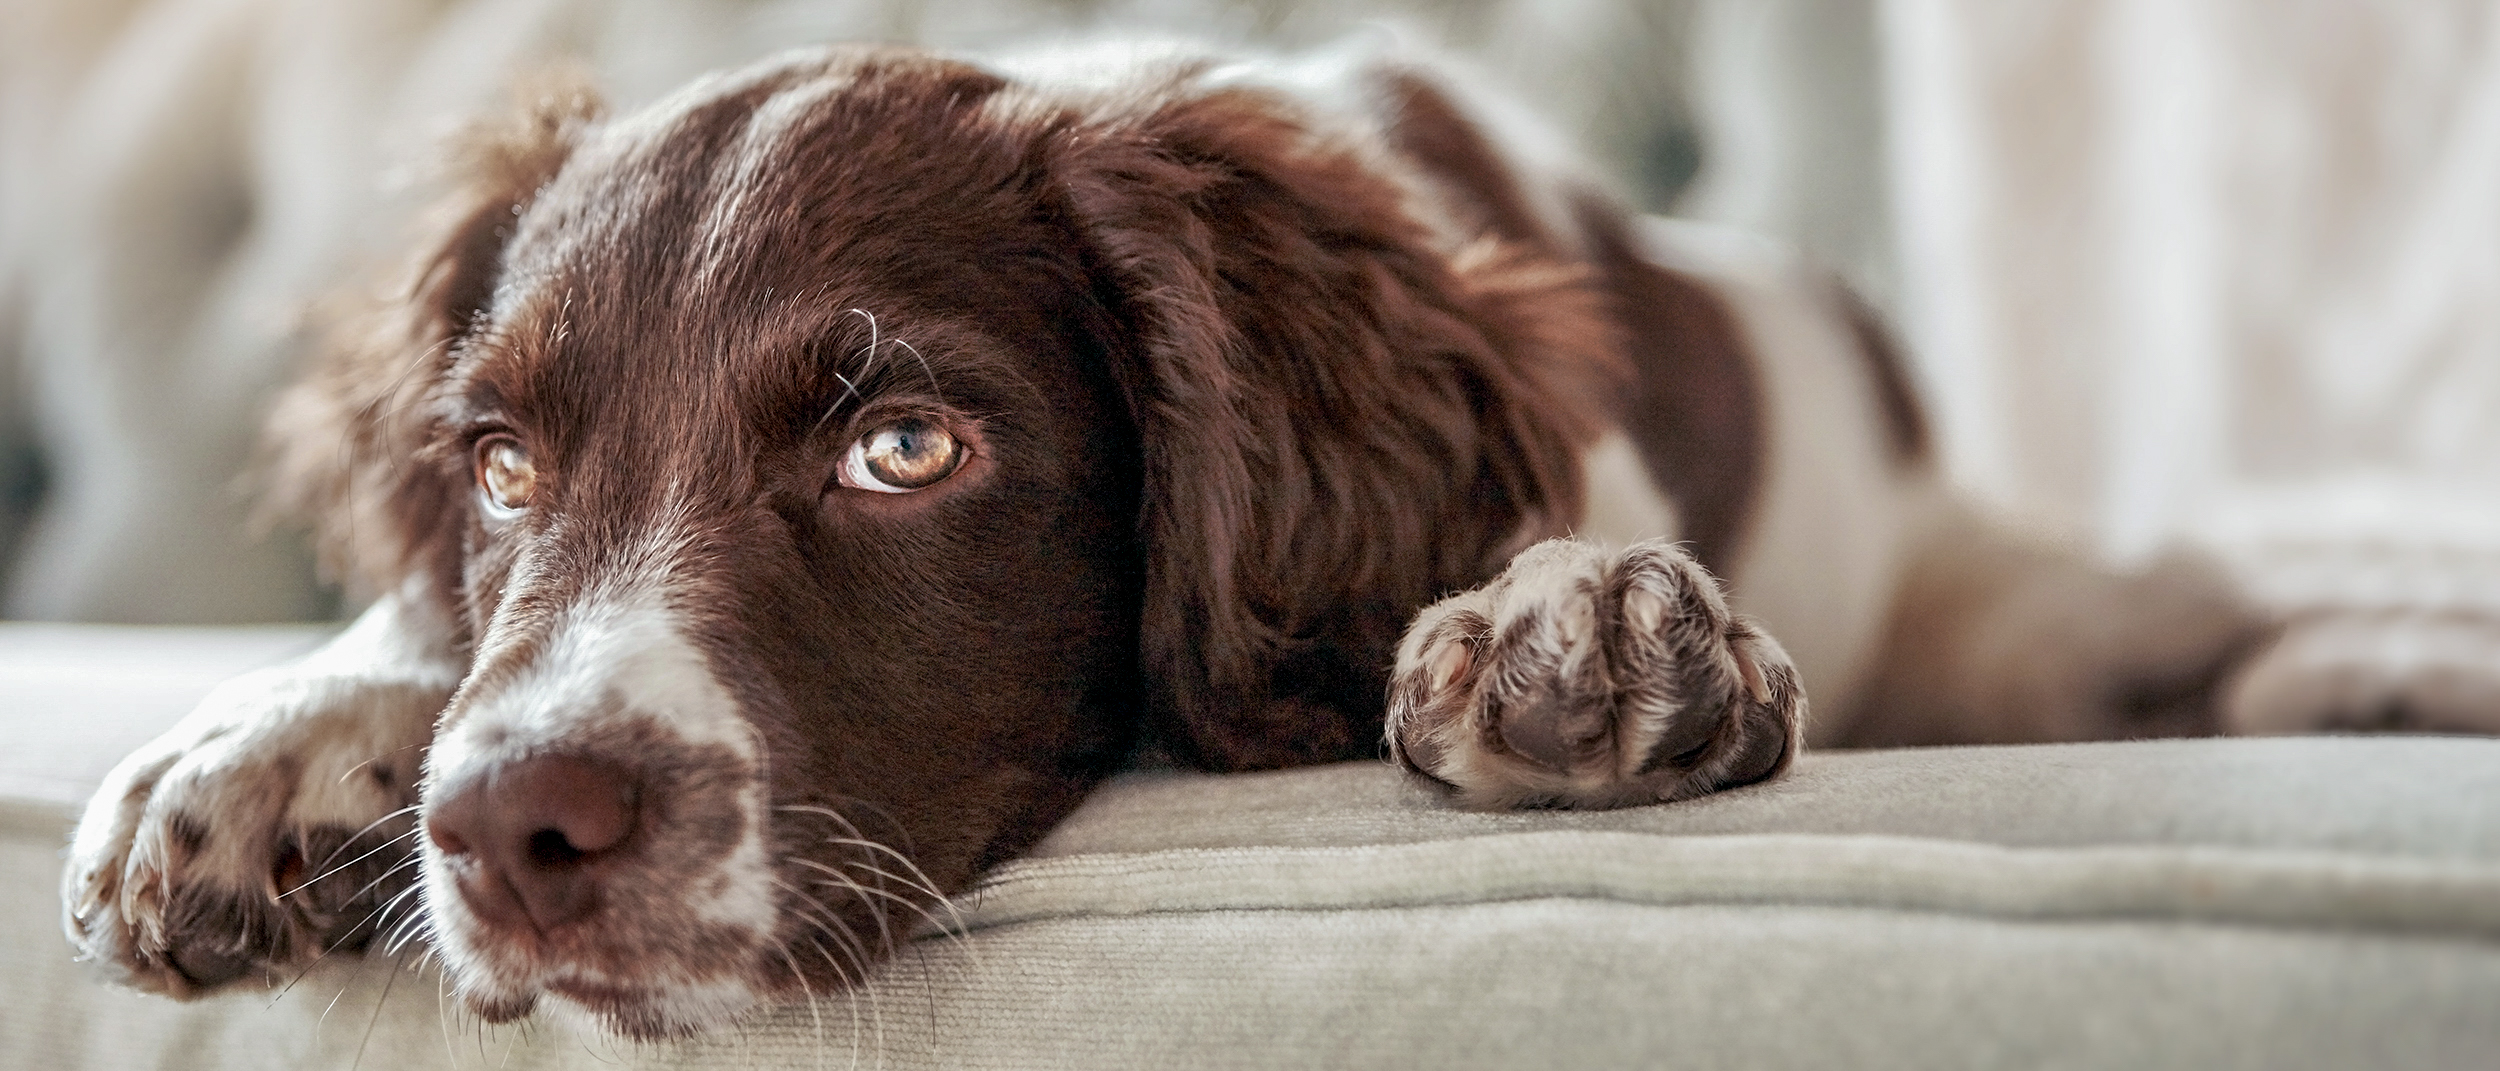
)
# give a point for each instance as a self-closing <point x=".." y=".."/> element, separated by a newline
<point x="1624" y="505"/>
<point x="1835" y="514"/>
<point x="622" y="644"/>
<point x="619" y="656"/>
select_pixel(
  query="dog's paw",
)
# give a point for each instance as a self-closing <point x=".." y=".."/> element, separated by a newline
<point x="267" y="827"/>
<point x="2373" y="672"/>
<point x="1585" y="677"/>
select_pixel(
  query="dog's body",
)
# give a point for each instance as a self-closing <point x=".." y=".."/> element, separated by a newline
<point x="789" y="500"/>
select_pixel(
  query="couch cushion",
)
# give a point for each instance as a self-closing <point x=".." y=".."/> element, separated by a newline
<point x="2321" y="902"/>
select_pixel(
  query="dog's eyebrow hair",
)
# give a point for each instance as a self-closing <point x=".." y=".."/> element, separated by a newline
<point x="871" y="348"/>
<point x="874" y="346"/>
<point x="924" y="365"/>
<point x="849" y="391"/>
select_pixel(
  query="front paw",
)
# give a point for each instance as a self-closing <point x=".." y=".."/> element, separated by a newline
<point x="267" y="827"/>
<point x="1592" y="678"/>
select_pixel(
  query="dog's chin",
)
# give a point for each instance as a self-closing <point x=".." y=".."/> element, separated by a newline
<point x="660" y="999"/>
<point x="644" y="1014"/>
<point x="633" y="1012"/>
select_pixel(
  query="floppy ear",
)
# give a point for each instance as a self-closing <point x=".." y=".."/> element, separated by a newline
<point x="347" y="445"/>
<point x="1342" y="417"/>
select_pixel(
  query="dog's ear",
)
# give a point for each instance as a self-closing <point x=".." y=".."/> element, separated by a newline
<point x="1343" y="414"/>
<point x="346" y="446"/>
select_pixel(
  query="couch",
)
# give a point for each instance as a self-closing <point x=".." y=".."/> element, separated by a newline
<point x="2328" y="902"/>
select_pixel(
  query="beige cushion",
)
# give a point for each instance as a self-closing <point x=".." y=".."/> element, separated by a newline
<point x="2322" y="902"/>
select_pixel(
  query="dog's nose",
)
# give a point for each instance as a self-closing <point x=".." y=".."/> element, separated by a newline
<point x="533" y="834"/>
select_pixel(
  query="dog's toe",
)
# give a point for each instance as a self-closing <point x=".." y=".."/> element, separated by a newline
<point x="247" y="839"/>
<point x="213" y="936"/>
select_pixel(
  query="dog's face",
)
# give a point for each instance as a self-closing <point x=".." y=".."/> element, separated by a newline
<point x="791" y="520"/>
<point x="829" y="463"/>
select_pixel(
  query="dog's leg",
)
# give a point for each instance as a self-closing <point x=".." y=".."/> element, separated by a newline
<point x="2002" y="636"/>
<point x="273" y="823"/>
<point x="2420" y="671"/>
<point x="1590" y="677"/>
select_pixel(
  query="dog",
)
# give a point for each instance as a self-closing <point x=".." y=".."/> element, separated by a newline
<point x="786" y="501"/>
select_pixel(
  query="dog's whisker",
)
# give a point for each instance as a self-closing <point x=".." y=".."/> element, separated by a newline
<point x="442" y="1019"/>
<point x="880" y="811"/>
<point x="385" y="907"/>
<point x="870" y="350"/>
<point x="885" y="933"/>
<point x="411" y="861"/>
<point x="351" y="772"/>
<point x="953" y="938"/>
<point x="815" y="1013"/>
<point x="919" y="879"/>
<point x="850" y="392"/>
<point x="856" y="984"/>
<point x="850" y="997"/>
<point x="388" y="982"/>
<point x="368" y="853"/>
<point x="820" y="916"/>
<point x="300" y="974"/>
<point x="372" y="825"/>
<point x="953" y="927"/>
<point x="326" y="1008"/>
<point x="873" y="846"/>
<point x="957" y="936"/>
<point x="362" y="968"/>
<point x="324" y="951"/>
<point x="409" y="926"/>
<point x="821" y="920"/>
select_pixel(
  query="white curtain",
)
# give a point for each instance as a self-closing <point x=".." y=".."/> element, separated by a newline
<point x="2229" y="267"/>
<point x="2226" y="269"/>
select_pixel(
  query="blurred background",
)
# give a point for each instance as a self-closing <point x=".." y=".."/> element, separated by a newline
<point x="2216" y="269"/>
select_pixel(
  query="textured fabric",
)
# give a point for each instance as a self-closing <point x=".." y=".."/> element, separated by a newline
<point x="2218" y="264"/>
<point x="2315" y="902"/>
<point x="74" y="700"/>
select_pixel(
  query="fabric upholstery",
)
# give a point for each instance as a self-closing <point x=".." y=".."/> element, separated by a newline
<point x="2306" y="902"/>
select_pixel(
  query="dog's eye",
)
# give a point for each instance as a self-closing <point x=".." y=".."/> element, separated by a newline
<point x="504" y="473"/>
<point x="901" y="455"/>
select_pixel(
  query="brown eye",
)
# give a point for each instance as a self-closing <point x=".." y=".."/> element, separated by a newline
<point x="504" y="474"/>
<point x="901" y="455"/>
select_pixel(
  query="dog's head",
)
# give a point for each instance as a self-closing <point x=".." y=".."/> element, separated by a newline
<point x="833" y="467"/>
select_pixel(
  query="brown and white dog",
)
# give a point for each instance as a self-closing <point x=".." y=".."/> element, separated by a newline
<point x="788" y="500"/>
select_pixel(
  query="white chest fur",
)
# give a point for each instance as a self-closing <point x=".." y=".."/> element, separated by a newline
<point x="1822" y="548"/>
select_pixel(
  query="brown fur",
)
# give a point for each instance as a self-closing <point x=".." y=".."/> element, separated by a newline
<point x="1239" y="412"/>
<point x="1297" y="511"/>
<point x="1695" y="410"/>
<point x="2003" y="636"/>
<point x="1905" y="420"/>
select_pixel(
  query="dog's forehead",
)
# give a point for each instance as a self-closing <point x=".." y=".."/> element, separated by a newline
<point x="753" y="213"/>
<point x="769" y="171"/>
